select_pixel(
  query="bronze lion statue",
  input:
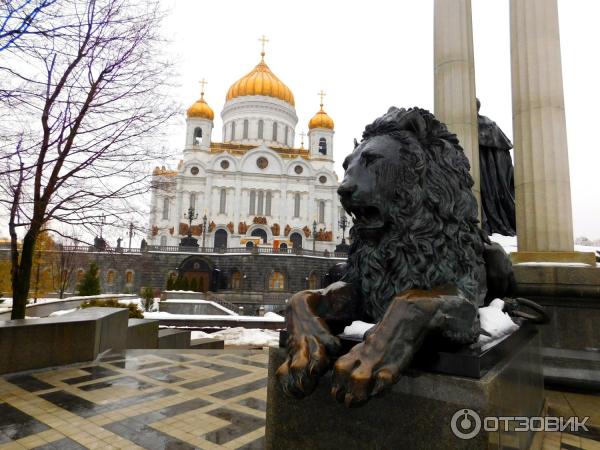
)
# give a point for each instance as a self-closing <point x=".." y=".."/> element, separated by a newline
<point x="416" y="266"/>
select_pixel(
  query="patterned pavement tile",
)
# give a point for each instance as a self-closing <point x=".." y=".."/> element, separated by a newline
<point x="158" y="399"/>
<point x="175" y="399"/>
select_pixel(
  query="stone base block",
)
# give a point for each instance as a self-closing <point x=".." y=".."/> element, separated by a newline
<point x="142" y="333"/>
<point x="416" y="414"/>
<point x="170" y="338"/>
<point x="207" y="344"/>
<point x="558" y="257"/>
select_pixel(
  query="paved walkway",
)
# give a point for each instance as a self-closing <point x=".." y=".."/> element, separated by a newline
<point x="177" y="399"/>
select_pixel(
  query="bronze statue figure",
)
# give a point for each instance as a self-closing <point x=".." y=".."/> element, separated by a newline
<point x="496" y="178"/>
<point x="416" y="266"/>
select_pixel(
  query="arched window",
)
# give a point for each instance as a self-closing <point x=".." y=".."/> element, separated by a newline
<point x="283" y="247"/>
<point x="163" y="241"/>
<point x="197" y="136"/>
<point x="236" y="280"/>
<point x="321" y="211"/>
<point x="193" y="201"/>
<point x="252" y="209"/>
<point x="249" y="244"/>
<point x="220" y="238"/>
<point x="297" y="204"/>
<point x="233" y="131"/>
<point x="110" y="277"/>
<point x="245" y="135"/>
<point x="222" y="201"/>
<point x="259" y="232"/>
<point x="313" y="281"/>
<point x="274" y="131"/>
<point x="261" y="200"/>
<point x="165" y="211"/>
<point x="277" y="281"/>
<point x="323" y="146"/>
<point x="129" y="277"/>
<point x="268" y="203"/>
<point x="296" y="240"/>
<point x="261" y="125"/>
<point x="287" y="135"/>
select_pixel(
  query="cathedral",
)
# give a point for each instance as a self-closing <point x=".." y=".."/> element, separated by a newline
<point x="257" y="188"/>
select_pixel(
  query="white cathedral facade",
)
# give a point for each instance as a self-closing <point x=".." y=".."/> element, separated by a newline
<point x="256" y="188"/>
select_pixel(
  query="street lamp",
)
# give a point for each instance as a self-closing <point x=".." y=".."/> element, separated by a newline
<point x="343" y="224"/>
<point x="314" y="234"/>
<point x="190" y="215"/>
<point x="204" y="220"/>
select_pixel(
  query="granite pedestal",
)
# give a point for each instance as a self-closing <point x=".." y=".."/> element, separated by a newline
<point x="416" y="413"/>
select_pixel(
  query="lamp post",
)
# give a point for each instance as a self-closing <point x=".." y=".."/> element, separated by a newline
<point x="130" y="234"/>
<point x="314" y="234"/>
<point x="204" y="220"/>
<point x="190" y="215"/>
<point x="343" y="224"/>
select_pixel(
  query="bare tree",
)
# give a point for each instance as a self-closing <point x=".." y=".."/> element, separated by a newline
<point x="83" y="121"/>
<point x="20" y="17"/>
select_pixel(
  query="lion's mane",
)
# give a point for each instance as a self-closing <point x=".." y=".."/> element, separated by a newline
<point x="432" y="237"/>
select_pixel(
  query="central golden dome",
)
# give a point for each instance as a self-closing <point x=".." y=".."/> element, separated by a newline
<point x="261" y="81"/>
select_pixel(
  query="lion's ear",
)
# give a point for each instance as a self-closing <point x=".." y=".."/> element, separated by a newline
<point x="355" y="143"/>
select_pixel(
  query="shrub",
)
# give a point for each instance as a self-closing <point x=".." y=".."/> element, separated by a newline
<point x="90" y="283"/>
<point x="134" y="311"/>
<point x="148" y="296"/>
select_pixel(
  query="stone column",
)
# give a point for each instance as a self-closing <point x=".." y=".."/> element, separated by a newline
<point x="454" y="77"/>
<point x="542" y="185"/>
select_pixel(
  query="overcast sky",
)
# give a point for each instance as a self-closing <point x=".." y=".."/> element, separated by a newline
<point x="368" y="56"/>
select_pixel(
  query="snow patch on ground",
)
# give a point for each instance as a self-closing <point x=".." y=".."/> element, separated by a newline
<point x="62" y="312"/>
<point x="168" y="316"/>
<point x="243" y="336"/>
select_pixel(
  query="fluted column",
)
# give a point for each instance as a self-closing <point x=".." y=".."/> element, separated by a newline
<point x="542" y="185"/>
<point x="454" y="77"/>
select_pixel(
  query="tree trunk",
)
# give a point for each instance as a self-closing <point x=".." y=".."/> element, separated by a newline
<point x="21" y="278"/>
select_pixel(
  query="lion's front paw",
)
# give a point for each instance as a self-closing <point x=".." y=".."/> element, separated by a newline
<point x="307" y="361"/>
<point x="361" y="374"/>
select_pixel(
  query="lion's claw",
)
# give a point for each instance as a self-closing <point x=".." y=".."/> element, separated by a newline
<point x="300" y="372"/>
<point x="356" y="378"/>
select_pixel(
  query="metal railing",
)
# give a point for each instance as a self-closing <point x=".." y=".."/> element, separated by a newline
<point x="203" y="250"/>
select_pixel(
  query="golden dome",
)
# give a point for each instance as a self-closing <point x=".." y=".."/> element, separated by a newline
<point x="201" y="109"/>
<point x="261" y="81"/>
<point x="321" y="120"/>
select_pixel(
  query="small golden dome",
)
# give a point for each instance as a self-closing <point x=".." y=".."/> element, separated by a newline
<point x="201" y="109"/>
<point x="321" y="120"/>
<point x="261" y="81"/>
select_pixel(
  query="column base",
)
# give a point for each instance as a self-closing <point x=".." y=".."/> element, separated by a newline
<point x="556" y="257"/>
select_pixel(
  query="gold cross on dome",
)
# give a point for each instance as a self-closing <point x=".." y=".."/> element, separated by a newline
<point x="263" y="40"/>
<point x="321" y="94"/>
<point x="203" y="83"/>
<point x="302" y="134"/>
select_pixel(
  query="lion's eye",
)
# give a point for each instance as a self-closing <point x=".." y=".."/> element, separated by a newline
<point x="346" y="163"/>
<point x="370" y="158"/>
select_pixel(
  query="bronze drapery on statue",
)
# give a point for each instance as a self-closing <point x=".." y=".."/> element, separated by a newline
<point x="496" y="178"/>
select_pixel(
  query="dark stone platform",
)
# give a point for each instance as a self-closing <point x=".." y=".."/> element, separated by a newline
<point x="417" y="413"/>
<point x="53" y="341"/>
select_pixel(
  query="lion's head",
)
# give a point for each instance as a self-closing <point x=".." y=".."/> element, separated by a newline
<point x="408" y="188"/>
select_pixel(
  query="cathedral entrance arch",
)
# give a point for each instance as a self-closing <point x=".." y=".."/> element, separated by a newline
<point x="259" y="232"/>
<point x="220" y="238"/>
<point x="296" y="240"/>
<point x="197" y="271"/>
